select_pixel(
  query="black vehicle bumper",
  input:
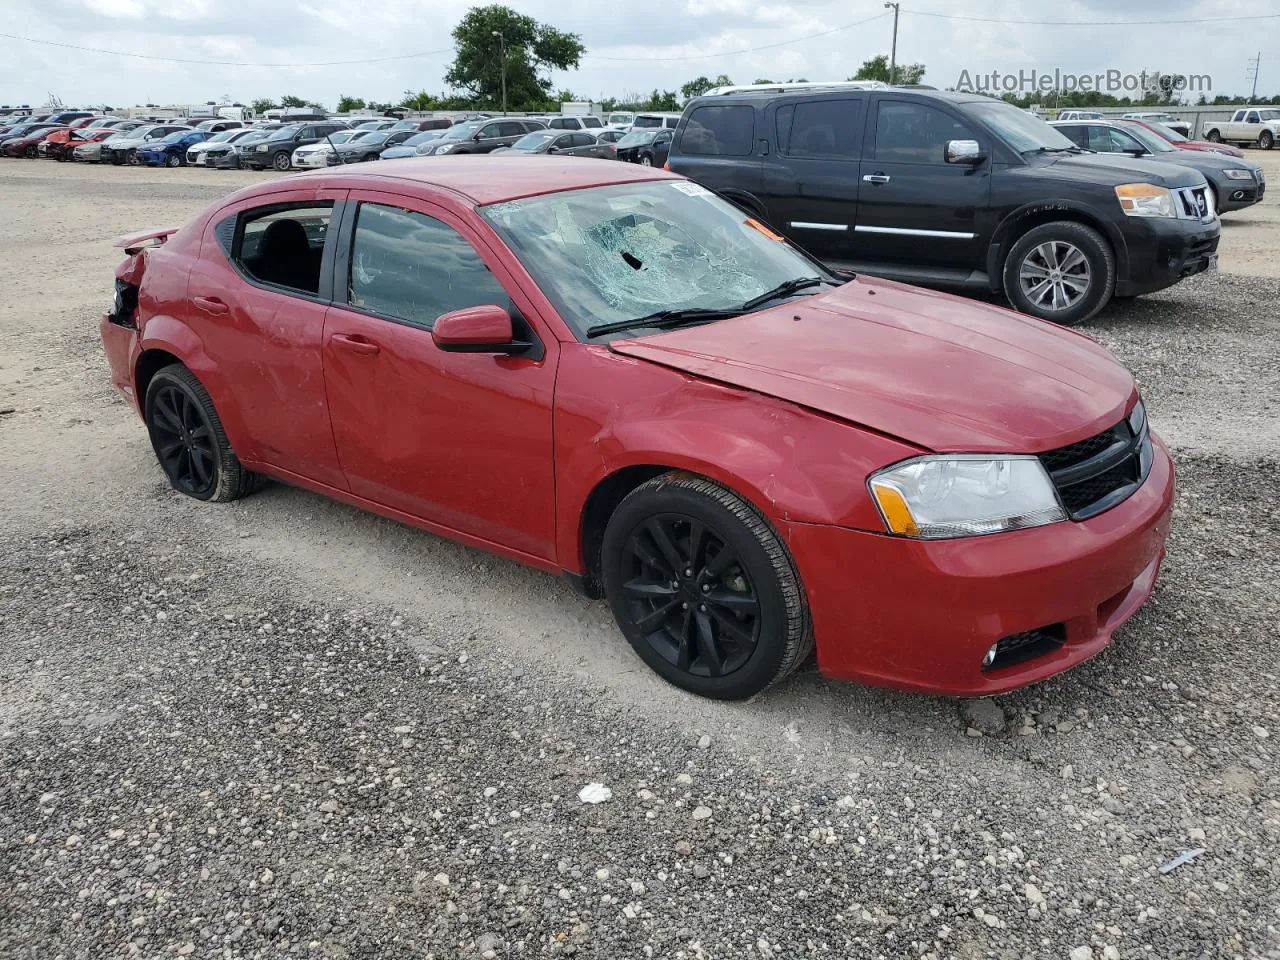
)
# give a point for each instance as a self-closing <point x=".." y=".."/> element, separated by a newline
<point x="1161" y="251"/>
<point x="256" y="161"/>
<point x="1238" y="194"/>
<point x="223" y="161"/>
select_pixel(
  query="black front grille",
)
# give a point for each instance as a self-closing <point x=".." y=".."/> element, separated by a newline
<point x="1022" y="647"/>
<point x="1095" y="474"/>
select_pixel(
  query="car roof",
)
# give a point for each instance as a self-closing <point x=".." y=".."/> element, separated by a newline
<point x="824" y="92"/>
<point x="485" y="180"/>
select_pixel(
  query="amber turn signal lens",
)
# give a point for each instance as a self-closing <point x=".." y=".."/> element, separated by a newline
<point x="897" y="516"/>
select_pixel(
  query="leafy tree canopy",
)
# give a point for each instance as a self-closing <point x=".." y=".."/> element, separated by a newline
<point x="531" y="48"/>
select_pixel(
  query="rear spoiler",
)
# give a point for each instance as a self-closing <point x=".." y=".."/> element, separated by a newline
<point x="136" y="242"/>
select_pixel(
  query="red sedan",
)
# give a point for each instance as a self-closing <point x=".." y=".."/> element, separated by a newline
<point x="1182" y="143"/>
<point x="605" y="371"/>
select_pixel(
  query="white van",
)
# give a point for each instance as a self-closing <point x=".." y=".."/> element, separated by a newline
<point x="651" y="121"/>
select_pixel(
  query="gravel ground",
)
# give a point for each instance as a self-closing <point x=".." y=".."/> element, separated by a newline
<point x="282" y="727"/>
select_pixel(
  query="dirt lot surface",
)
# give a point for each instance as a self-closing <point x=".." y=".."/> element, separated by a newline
<point x="282" y="727"/>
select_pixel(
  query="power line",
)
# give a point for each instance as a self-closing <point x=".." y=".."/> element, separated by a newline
<point x="224" y="63"/>
<point x="734" y="53"/>
<point x="1090" y="23"/>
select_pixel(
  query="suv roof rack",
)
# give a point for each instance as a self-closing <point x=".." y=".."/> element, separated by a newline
<point x="797" y="85"/>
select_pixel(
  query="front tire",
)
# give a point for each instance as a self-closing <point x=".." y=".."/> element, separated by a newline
<point x="370" y="156"/>
<point x="281" y="162"/>
<point x="646" y="160"/>
<point x="1063" y="272"/>
<point x="173" y="161"/>
<point x="1266" y="140"/>
<point x="703" y="589"/>
<point x="189" y="441"/>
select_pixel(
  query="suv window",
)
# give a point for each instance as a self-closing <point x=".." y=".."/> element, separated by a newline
<point x="719" y="131"/>
<point x="563" y="123"/>
<point x="915" y="132"/>
<point x="591" y="122"/>
<point x="411" y="267"/>
<point x="821" y="128"/>
<point x="1252" y="117"/>
<point x="285" y="245"/>
<point x="511" y="128"/>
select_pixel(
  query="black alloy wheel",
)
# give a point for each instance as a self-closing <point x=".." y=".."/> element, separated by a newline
<point x="183" y="441"/>
<point x="688" y="592"/>
<point x="189" y="440"/>
<point x="703" y="589"/>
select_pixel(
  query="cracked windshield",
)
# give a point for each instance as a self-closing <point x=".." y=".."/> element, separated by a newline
<point x="614" y="254"/>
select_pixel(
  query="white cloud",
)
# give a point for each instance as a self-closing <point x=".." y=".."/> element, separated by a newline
<point x="645" y="34"/>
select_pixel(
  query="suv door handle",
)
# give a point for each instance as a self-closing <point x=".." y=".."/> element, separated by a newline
<point x="210" y="304"/>
<point x="876" y="178"/>
<point x="355" y="343"/>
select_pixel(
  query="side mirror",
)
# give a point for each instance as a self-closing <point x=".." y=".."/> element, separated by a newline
<point x="963" y="151"/>
<point x="478" y="135"/>
<point x="553" y="149"/>
<point x="1136" y="152"/>
<point x="484" y="329"/>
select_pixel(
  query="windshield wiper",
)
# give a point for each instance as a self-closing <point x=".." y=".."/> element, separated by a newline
<point x="1071" y="149"/>
<point x="784" y="289"/>
<point x="664" y="319"/>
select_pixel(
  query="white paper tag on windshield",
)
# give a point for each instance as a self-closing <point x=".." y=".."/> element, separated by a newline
<point x="690" y="188"/>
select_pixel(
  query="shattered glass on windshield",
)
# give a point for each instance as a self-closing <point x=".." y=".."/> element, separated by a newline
<point x="615" y="253"/>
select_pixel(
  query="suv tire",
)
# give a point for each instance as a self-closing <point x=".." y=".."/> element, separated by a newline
<point x="281" y="161"/>
<point x="1063" y="272"/>
<point x="1266" y="140"/>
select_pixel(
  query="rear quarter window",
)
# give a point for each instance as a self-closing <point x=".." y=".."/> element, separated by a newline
<point x="719" y="131"/>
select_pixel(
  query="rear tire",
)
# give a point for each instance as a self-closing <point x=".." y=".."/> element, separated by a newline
<point x="1063" y="272"/>
<point x="1266" y="140"/>
<point x="1213" y="136"/>
<point x="703" y="588"/>
<point x="189" y="441"/>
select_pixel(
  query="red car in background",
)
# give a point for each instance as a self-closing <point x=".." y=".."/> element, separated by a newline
<point x="27" y="144"/>
<point x="1183" y="143"/>
<point x="606" y="371"/>
<point x="61" y="144"/>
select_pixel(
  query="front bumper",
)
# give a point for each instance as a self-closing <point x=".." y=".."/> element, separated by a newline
<point x="310" y="161"/>
<point x="149" y="159"/>
<point x="1162" y="251"/>
<point x="921" y="615"/>
<point x="1238" y="194"/>
<point x="223" y="161"/>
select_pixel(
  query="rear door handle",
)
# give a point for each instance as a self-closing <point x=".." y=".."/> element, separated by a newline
<point x="355" y="343"/>
<point x="210" y="304"/>
<point x="876" y="178"/>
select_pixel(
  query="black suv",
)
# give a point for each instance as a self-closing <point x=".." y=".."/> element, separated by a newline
<point x="277" y="150"/>
<point x="950" y="190"/>
<point x="480" y="136"/>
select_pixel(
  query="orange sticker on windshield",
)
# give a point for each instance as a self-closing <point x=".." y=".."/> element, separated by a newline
<point x="755" y="224"/>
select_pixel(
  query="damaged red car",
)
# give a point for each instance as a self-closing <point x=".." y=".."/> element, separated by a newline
<point x="607" y="372"/>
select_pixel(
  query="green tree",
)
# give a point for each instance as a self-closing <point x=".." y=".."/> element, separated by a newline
<point x="419" y="101"/>
<point x="761" y="80"/>
<point x="663" y="100"/>
<point x="291" y="101"/>
<point x="877" y="68"/>
<point x="530" y="47"/>
<point x="347" y="104"/>
<point x="262" y="104"/>
<point x="699" y="86"/>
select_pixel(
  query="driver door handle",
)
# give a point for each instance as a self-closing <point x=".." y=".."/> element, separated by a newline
<point x="876" y="178"/>
<point x="355" y="343"/>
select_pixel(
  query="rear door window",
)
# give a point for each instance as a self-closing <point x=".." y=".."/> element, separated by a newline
<point x="511" y="128"/>
<point x="908" y="132"/>
<point x="719" y="131"/>
<point x="821" y="129"/>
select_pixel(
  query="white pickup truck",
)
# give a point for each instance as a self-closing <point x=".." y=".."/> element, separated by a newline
<point x="1260" y="125"/>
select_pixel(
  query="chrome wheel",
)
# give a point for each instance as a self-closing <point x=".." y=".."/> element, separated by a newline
<point x="1054" y="275"/>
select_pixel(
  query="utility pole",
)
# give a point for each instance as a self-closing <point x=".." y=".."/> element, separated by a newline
<point x="893" y="51"/>
<point x="502" y="43"/>
<point x="1254" y="65"/>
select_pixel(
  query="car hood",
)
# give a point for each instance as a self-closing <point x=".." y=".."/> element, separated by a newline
<point x="1115" y="170"/>
<point x="938" y="371"/>
<point x="1205" y="161"/>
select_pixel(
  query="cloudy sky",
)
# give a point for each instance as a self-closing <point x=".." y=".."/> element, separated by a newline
<point x="630" y="46"/>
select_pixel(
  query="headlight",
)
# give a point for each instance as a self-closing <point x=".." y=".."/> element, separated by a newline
<point x="444" y="148"/>
<point x="964" y="495"/>
<point x="1238" y="173"/>
<point x="1145" y="200"/>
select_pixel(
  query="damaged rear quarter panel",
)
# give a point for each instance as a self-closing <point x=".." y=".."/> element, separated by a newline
<point x="614" y="412"/>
